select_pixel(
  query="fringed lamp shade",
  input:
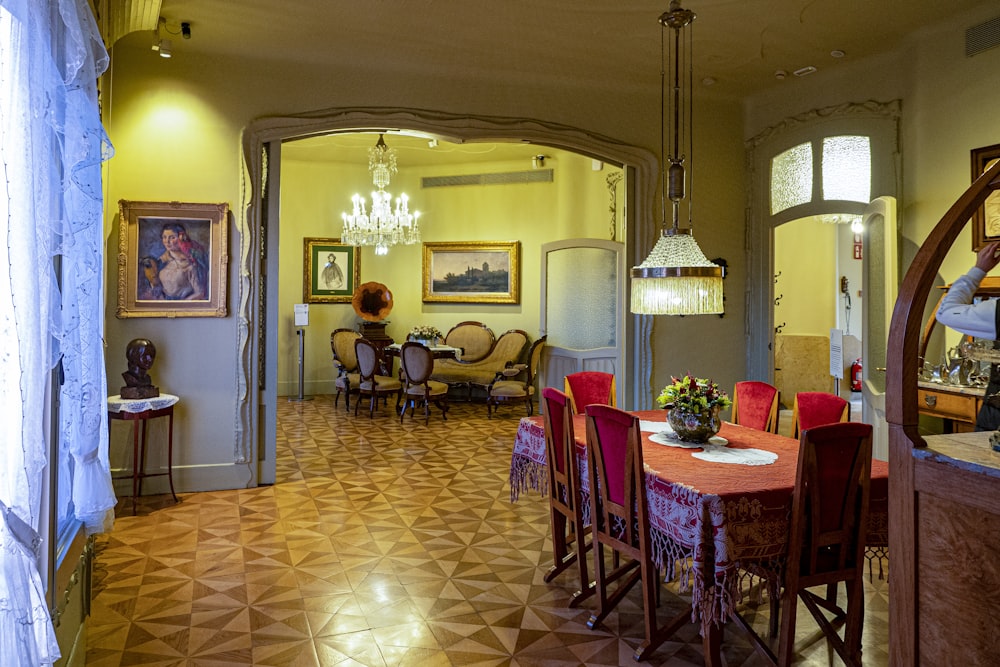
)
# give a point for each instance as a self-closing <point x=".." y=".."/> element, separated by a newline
<point x="677" y="279"/>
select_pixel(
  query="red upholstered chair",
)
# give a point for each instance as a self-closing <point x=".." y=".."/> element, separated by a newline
<point x="755" y="405"/>
<point x="588" y="387"/>
<point x="619" y="519"/>
<point x="826" y="541"/>
<point x="817" y="408"/>
<point x="569" y="543"/>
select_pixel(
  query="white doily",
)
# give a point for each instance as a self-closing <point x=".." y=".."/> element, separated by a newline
<point x="747" y="457"/>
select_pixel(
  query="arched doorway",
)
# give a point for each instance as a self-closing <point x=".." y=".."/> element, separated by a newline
<point x="256" y="298"/>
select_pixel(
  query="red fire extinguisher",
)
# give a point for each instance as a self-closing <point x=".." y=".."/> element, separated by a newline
<point x="856" y="369"/>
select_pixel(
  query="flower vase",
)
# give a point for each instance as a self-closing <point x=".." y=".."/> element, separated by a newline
<point x="694" y="426"/>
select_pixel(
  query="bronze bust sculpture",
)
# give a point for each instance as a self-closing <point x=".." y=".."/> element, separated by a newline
<point x="140" y="353"/>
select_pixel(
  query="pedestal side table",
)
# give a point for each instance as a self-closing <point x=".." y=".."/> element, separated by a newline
<point x="141" y="410"/>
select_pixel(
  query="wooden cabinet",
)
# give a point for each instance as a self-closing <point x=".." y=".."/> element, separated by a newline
<point x="957" y="406"/>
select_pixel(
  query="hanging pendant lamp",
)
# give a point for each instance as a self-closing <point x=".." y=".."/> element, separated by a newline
<point x="676" y="278"/>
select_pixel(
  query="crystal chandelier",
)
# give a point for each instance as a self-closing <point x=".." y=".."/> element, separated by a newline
<point x="384" y="225"/>
<point x="676" y="278"/>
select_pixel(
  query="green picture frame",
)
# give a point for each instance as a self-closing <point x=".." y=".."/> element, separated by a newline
<point x="331" y="270"/>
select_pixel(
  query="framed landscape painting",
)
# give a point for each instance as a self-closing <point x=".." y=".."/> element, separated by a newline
<point x="472" y="272"/>
<point x="172" y="259"/>
<point x="986" y="219"/>
<point x="330" y="270"/>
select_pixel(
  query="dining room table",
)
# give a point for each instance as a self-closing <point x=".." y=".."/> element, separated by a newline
<point x="717" y="511"/>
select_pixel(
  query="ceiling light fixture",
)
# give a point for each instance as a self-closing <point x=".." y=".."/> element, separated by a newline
<point x="676" y="278"/>
<point x="384" y="226"/>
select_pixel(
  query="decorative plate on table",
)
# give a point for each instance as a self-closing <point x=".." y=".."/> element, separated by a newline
<point x="670" y="439"/>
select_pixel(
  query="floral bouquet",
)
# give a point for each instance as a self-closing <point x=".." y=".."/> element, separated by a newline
<point x="425" y="332"/>
<point x="693" y="395"/>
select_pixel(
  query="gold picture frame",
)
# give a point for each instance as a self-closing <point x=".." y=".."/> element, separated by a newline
<point x="472" y="272"/>
<point x="331" y="270"/>
<point x="986" y="219"/>
<point x="173" y="259"/>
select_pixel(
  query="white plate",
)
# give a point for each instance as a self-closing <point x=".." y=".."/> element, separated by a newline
<point x="670" y="439"/>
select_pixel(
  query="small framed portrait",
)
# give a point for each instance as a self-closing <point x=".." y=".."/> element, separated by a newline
<point x="330" y="269"/>
<point x="473" y="272"/>
<point x="172" y="259"/>
<point x="986" y="219"/>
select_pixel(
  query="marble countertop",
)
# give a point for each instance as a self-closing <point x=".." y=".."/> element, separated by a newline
<point x="952" y="388"/>
<point x="968" y="451"/>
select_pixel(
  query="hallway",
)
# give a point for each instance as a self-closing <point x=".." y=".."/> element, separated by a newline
<point x="381" y="544"/>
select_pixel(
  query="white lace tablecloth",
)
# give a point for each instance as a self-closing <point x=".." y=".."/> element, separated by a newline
<point x="118" y="404"/>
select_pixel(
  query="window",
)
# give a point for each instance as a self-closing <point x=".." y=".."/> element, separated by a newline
<point x="844" y="172"/>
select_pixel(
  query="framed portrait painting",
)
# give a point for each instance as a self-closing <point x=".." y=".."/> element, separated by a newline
<point x="986" y="219"/>
<point x="172" y="259"/>
<point x="330" y="269"/>
<point x="474" y="272"/>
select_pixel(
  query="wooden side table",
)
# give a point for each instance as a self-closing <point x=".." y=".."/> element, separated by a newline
<point x="142" y="410"/>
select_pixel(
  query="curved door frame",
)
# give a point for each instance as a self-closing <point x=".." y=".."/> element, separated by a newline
<point x="254" y="305"/>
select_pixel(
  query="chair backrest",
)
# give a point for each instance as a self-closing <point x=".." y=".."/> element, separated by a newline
<point x="830" y="501"/>
<point x="617" y="480"/>
<point x="342" y="345"/>
<point x="588" y="387"/>
<point x="817" y="408"/>
<point x="534" y="358"/>
<point x="367" y="355"/>
<point x="560" y="448"/>
<point x="417" y="362"/>
<point x="755" y="405"/>
<point x="509" y="346"/>
<point x="475" y="338"/>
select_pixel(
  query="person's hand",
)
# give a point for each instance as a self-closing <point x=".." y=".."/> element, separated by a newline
<point x="988" y="256"/>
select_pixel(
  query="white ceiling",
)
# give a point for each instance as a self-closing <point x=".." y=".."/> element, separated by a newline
<point x="738" y="43"/>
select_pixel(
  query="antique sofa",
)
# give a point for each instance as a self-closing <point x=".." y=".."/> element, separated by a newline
<point x="480" y="372"/>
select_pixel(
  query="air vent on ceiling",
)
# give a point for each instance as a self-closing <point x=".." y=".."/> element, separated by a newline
<point x="502" y="178"/>
<point x="982" y="37"/>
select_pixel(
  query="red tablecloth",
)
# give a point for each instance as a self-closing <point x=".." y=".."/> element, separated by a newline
<point x="715" y="514"/>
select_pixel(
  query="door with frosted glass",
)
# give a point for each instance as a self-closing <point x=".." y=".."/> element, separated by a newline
<point x="880" y="275"/>
<point x="583" y="297"/>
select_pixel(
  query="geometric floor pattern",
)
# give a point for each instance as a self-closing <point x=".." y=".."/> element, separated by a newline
<point x="381" y="544"/>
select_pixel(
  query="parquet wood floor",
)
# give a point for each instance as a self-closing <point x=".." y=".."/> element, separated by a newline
<point x="380" y="544"/>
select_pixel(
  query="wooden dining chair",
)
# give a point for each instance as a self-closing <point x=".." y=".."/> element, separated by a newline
<point x="569" y="534"/>
<point x="346" y="362"/>
<point x="817" y="408"/>
<point x="588" y="387"/>
<point x="619" y="519"/>
<point x="826" y="540"/>
<point x="417" y="362"/>
<point x="755" y="405"/>
<point x="371" y="384"/>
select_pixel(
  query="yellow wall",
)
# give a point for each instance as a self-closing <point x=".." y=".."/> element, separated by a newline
<point x="804" y="252"/>
<point x="313" y="194"/>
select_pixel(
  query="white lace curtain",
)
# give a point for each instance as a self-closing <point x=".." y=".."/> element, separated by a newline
<point x="51" y="148"/>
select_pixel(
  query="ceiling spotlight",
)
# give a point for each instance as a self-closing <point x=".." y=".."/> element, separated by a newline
<point x="837" y="53"/>
<point x="186" y="30"/>
<point x="537" y="161"/>
<point x="780" y="74"/>
<point x="165" y="48"/>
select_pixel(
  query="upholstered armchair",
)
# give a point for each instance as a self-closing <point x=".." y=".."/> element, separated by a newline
<point x="345" y="360"/>
<point x="516" y="383"/>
